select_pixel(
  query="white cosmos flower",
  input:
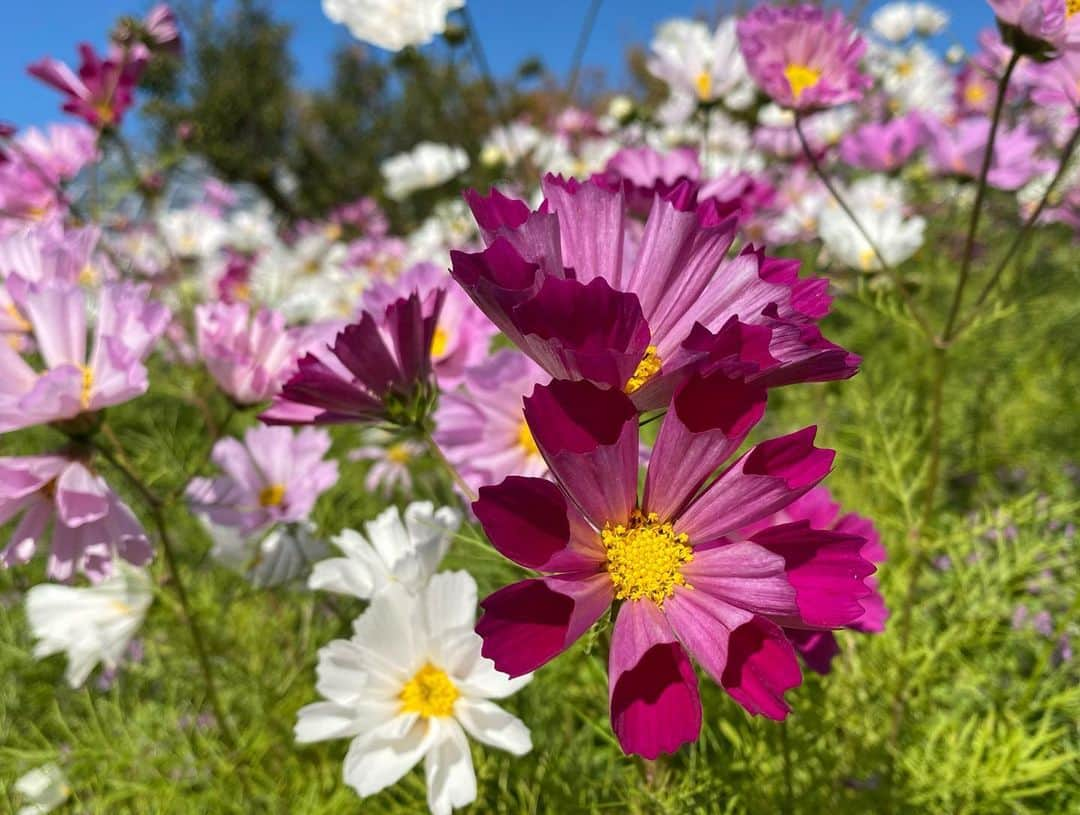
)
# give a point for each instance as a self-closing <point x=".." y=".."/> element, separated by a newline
<point x="267" y="558"/>
<point x="425" y="166"/>
<point x="929" y="19"/>
<point x="92" y="624"/>
<point x="43" y="788"/>
<point x="509" y="144"/>
<point x="894" y="21"/>
<point x="914" y="79"/>
<point x="410" y="685"/>
<point x="192" y="234"/>
<point x="392" y="24"/>
<point x="449" y="226"/>
<point x="308" y="281"/>
<point x="878" y="202"/>
<point x="398" y="550"/>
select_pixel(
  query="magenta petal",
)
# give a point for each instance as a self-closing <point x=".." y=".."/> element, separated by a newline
<point x="704" y="624"/>
<point x="761" y="667"/>
<point x="766" y="479"/>
<point x="708" y="420"/>
<point x="496" y="211"/>
<point x="589" y="437"/>
<point x="529" y="521"/>
<point x="745" y="575"/>
<point x="655" y="707"/>
<point x="497" y="280"/>
<point x="817" y="648"/>
<point x="526" y="624"/>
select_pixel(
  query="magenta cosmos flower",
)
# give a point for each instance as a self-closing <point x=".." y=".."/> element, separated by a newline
<point x="803" y="57"/>
<point x="684" y="587"/>
<point x="588" y="294"/>
<point x="817" y="510"/>
<point x="74" y="383"/>
<point x="248" y="355"/>
<point x="103" y="89"/>
<point x="90" y="524"/>
<point x="274" y="476"/>
<point x="376" y="370"/>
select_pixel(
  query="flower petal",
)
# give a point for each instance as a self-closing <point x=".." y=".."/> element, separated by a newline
<point x="490" y="724"/>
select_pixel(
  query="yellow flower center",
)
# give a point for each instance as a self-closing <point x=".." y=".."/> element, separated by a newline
<point x="645" y="557"/>
<point x="241" y="291"/>
<point x="703" y="83"/>
<point x="21" y="322"/>
<point x="429" y="693"/>
<point x="866" y="259"/>
<point x="87" y="386"/>
<point x="88" y="275"/>
<point x="646" y="370"/>
<point x="800" y="78"/>
<point x="1071" y="7"/>
<point x="905" y="68"/>
<point x="975" y="93"/>
<point x="104" y="112"/>
<point x="398" y="453"/>
<point x="332" y="231"/>
<point x="272" y="496"/>
<point x="439" y="342"/>
<point x="526" y="441"/>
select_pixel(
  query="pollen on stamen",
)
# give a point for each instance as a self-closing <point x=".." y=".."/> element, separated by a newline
<point x="649" y="367"/>
<point x="430" y="692"/>
<point x="272" y="495"/>
<point x="85" y="392"/>
<point x="801" y="78"/>
<point x="645" y="557"/>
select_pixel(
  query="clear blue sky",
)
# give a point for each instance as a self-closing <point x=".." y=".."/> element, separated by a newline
<point x="511" y="30"/>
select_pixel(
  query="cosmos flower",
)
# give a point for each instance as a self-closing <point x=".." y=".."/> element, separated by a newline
<point x="127" y="326"/>
<point x="642" y="172"/>
<point x="410" y="685"/>
<point x="391" y="458"/>
<point x="43" y="788"/>
<point x="1050" y="23"/>
<point x="930" y="20"/>
<point x="249" y="355"/>
<point x="803" y="57"/>
<point x="102" y="90"/>
<point x="193" y="233"/>
<point x="425" y="166"/>
<point x="481" y="428"/>
<point x="90" y="625"/>
<point x="957" y="148"/>
<point x="878" y="202"/>
<point x="401" y="548"/>
<point x="883" y="147"/>
<point x="683" y="584"/>
<point x="38" y="165"/>
<point x="268" y="558"/>
<point x="587" y="294"/>
<point x="392" y="24"/>
<point x="894" y="22"/>
<point x="274" y="476"/>
<point x="89" y="523"/>
<point x="378" y="369"/>
<point x="309" y="280"/>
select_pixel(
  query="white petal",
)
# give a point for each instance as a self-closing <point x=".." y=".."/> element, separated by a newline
<point x="490" y="724"/>
<point x="450" y="602"/>
<point x="451" y="780"/>
<point x="344" y="576"/>
<point x="326" y="720"/>
<point x="392" y="631"/>
<point x="382" y="757"/>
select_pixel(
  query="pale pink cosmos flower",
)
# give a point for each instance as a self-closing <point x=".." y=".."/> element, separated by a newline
<point x="391" y="461"/>
<point x="957" y="148"/>
<point x="89" y="523"/>
<point x="38" y="165"/>
<point x="1050" y="22"/>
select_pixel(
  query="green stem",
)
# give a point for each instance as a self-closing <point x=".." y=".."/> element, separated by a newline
<point x="980" y="195"/>
<point x="450" y="469"/>
<point x="579" y="49"/>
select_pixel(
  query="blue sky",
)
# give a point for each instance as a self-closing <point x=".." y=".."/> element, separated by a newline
<point x="511" y="30"/>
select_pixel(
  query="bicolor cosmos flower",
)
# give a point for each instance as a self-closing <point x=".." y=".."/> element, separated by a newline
<point x="274" y="476"/>
<point x="481" y="428"/>
<point x="249" y="355"/>
<point x="411" y="685"/>
<point x="376" y="370"/>
<point x="127" y="326"/>
<point x="580" y="288"/>
<point x="817" y="510"/>
<point x="89" y="523"/>
<point x="89" y="625"/>
<point x="102" y="90"/>
<point x="400" y="548"/>
<point x="802" y="56"/>
<point x="683" y="585"/>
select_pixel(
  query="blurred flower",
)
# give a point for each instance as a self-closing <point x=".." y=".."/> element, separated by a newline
<point x="958" y="148"/>
<point x="89" y="625"/>
<point x="269" y="558"/>
<point x="894" y="22"/>
<point x="685" y="586"/>
<point x="882" y="147"/>
<point x="392" y="24"/>
<point x="102" y="90"/>
<point x="161" y="31"/>
<point x="192" y="234"/>
<point x="391" y="458"/>
<point x="803" y="57"/>
<point x="878" y="203"/>
<point x="410" y="685"/>
<point x="400" y="549"/>
<point x="309" y="280"/>
<point x="378" y="369"/>
<point x="38" y="166"/>
<point x="425" y="166"/>
<point x="1048" y="22"/>
<point x="915" y="79"/>
<point x="43" y="788"/>
<point x="930" y="20"/>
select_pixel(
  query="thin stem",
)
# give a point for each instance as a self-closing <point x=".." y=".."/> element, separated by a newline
<point x="451" y="470"/>
<point x="1024" y="231"/>
<point x="894" y="276"/>
<point x="980" y="194"/>
<point x="579" y="49"/>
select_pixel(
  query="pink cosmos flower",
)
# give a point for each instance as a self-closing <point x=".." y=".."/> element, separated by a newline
<point x="162" y="33"/>
<point x="884" y="146"/>
<point x="103" y="89"/>
<point x="1057" y="83"/>
<point x="481" y="427"/>
<point x="686" y="587"/>
<point x="803" y="57"/>
<point x="957" y="148"/>
<point x="1050" y="22"/>
<point x="391" y="459"/>
<point x="462" y="335"/>
<point x="643" y="172"/>
<point x="249" y="355"/>
<point x="817" y="510"/>
<point x="588" y="297"/>
<point x="376" y="370"/>
<point x="39" y="164"/>
<point x="274" y="476"/>
<point x="89" y="523"/>
<point x="73" y="383"/>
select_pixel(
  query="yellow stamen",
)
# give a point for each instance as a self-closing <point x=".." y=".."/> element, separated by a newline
<point x="87" y="386"/>
<point x="104" y="113"/>
<point x="332" y="231"/>
<point x="120" y="607"/>
<point x="648" y="368"/>
<point x="905" y="68"/>
<point x="801" y="78"/>
<point x="439" y="342"/>
<point x="974" y="93"/>
<point x="88" y="275"/>
<point x="526" y="441"/>
<point x="431" y="693"/>
<point x="1071" y="7"/>
<point x="241" y="291"/>
<point x="866" y="259"/>
<point x="645" y="557"/>
<point x="272" y="496"/>
<point x="21" y="323"/>
<point x="398" y="453"/>
<point x="703" y="83"/>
